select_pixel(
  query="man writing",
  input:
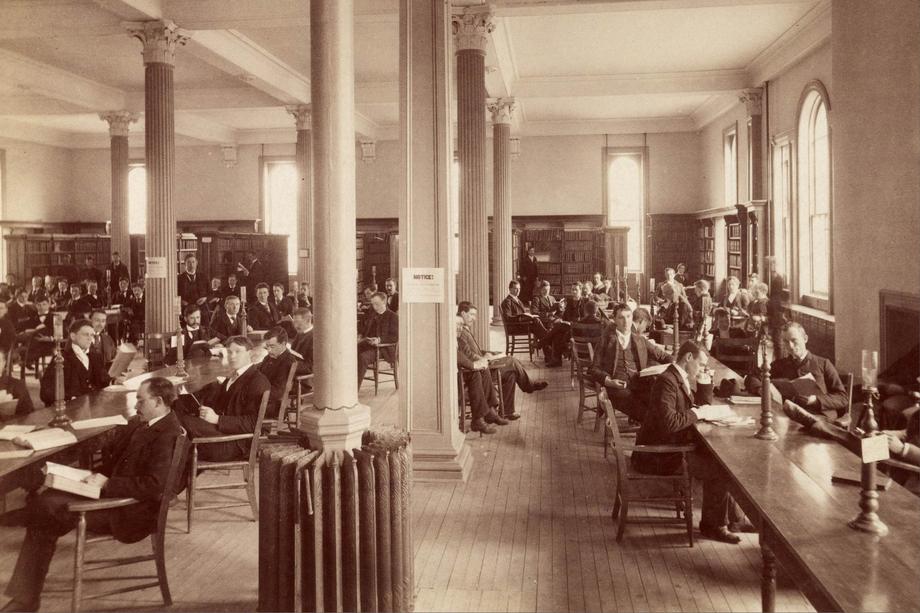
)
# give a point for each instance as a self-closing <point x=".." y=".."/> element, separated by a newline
<point x="137" y="461"/>
<point x="381" y="326"/>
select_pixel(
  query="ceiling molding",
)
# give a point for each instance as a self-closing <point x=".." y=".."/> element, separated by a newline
<point x="806" y="35"/>
<point x="133" y="9"/>
<point x="532" y="8"/>
<point x="33" y="77"/>
<point x="204" y="129"/>
<point x="43" y="135"/>
<point x="389" y="132"/>
<point x="242" y="97"/>
<point x="631" y="84"/>
<point x="365" y="127"/>
<point x="262" y="14"/>
<point x="22" y="19"/>
<point x="713" y="108"/>
<point x="504" y="59"/>
<point x="652" y="125"/>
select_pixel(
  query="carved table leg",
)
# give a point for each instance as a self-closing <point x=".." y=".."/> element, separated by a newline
<point x="767" y="577"/>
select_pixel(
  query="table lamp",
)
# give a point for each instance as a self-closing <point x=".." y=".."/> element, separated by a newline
<point x="868" y="520"/>
<point x="60" y="402"/>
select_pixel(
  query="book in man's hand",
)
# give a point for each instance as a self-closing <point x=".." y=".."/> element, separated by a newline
<point x="74" y="480"/>
<point x="123" y="358"/>
<point x="802" y="386"/>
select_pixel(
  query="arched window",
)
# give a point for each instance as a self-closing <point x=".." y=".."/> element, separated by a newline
<point x="137" y="199"/>
<point x="814" y="198"/>
<point x="626" y="200"/>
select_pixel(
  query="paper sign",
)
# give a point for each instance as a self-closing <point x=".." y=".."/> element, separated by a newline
<point x="206" y="239"/>
<point x="422" y="285"/>
<point x="156" y="267"/>
<point x="874" y="448"/>
<point x="303" y="253"/>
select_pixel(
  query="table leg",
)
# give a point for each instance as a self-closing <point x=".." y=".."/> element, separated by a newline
<point x="768" y="578"/>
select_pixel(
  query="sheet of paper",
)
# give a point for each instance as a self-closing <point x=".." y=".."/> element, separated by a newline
<point x="99" y="422"/>
<point x="156" y="267"/>
<point x="744" y="399"/>
<point x="422" y="285"/>
<point x="713" y="412"/>
<point x="651" y="371"/>
<point x="8" y="433"/>
<point x="874" y="448"/>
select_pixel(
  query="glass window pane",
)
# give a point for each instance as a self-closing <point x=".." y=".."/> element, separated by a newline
<point x="137" y="200"/>
<point x="820" y="263"/>
<point x="625" y="202"/>
<point x="281" y="209"/>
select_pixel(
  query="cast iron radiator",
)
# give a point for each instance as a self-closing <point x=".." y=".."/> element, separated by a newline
<point x="334" y="529"/>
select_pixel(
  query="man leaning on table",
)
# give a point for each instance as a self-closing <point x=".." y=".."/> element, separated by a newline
<point x="669" y="421"/>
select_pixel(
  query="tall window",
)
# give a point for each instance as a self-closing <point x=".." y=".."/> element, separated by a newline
<point x="137" y="199"/>
<point x="814" y="199"/>
<point x="280" y="205"/>
<point x="782" y="206"/>
<point x="730" y="164"/>
<point x="626" y="199"/>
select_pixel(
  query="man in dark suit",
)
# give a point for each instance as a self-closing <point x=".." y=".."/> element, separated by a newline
<point x="84" y="370"/>
<point x="831" y="399"/>
<point x="230" y="407"/>
<point x="512" y="371"/>
<point x="283" y="305"/>
<point x="618" y="360"/>
<point x="21" y="313"/>
<point x="102" y="342"/>
<point x="228" y="321"/>
<point x="392" y="295"/>
<point x="136" y="310"/>
<point x="117" y="271"/>
<point x="574" y="304"/>
<point x="122" y="294"/>
<point x="477" y="378"/>
<point x="261" y="314"/>
<point x="91" y="296"/>
<point x="192" y="286"/>
<point x="77" y="307"/>
<point x="253" y="272"/>
<point x="197" y="338"/>
<point x="302" y="343"/>
<point x="669" y="421"/>
<point x="512" y="310"/>
<point x="37" y="291"/>
<point x="90" y="271"/>
<point x="528" y="273"/>
<point x="136" y="465"/>
<point x="380" y="327"/>
<point x="276" y="366"/>
<point x="544" y="304"/>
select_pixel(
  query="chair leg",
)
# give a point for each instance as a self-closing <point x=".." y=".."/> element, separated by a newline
<point x="621" y="528"/>
<point x="616" y="507"/>
<point x="159" y="552"/>
<point x="251" y="492"/>
<point x="376" y="374"/>
<point x="688" y="511"/>
<point x="190" y="490"/>
<point x="78" y="556"/>
<point x="396" y="373"/>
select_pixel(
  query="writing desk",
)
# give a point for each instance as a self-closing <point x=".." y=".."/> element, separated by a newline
<point x="19" y="472"/>
<point x="785" y="488"/>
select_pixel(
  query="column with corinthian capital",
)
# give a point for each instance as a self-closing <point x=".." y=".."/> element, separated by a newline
<point x="471" y="29"/>
<point x="304" y="155"/>
<point x="753" y="102"/>
<point x="502" y="264"/>
<point x="119" y="123"/>
<point x="160" y="40"/>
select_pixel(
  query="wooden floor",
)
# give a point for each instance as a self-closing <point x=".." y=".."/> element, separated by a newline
<point x="529" y="531"/>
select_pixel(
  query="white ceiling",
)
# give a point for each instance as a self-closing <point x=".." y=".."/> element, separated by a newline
<point x="574" y="67"/>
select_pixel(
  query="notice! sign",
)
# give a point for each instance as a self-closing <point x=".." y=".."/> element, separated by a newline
<point x="422" y="285"/>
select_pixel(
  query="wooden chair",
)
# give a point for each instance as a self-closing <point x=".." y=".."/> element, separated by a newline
<point x="629" y="481"/>
<point x="392" y="371"/>
<point x="284" y="408"/>
<point x="249" y="467"/>
<point x="582" y="358"/>
<point x="465" y="411"/>
<point x="303" y="397"/>
<point x="157" y="538"/>
<point x="518" y="338"/>
<point x="580" y="333"/>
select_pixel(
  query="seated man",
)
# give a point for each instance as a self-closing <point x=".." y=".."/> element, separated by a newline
<point x="42" y="344"/>
<point x="233" y="286"/>
<point x="191" y="285"/>
<point x="21" y="313"/>
<point x="91" y="297"/>
<point x="674" y="297"/>
<point x="276" y="366"/>
<point x="61" y="296"/>
<point x="701" y="305"/>
<point x="512" y="310"/>
<point x="84" y="370"/>
<point x="228" y="322"/>
<point x="517" y="374"/>
<point x="670" y="281"/>
<point x="37" y="291"/>
<point x="197" y="339"/>
<point x="544" y="305"/>
<point x="830" y="398"/>
<point x="136" y="465"/>
<point x="477" y="378"/>
<point x="618" y="360"/>
<point x="392" y="294"/>
<point x="597" y="285"/>
<point x="261" y="314"/>
<point x="724" y="331"/>
<point x="574" y="304"/>
<point x="669" y="421"/>
<point x="736" y="300"/>
<point x="14" y="391"/>
<point x="102" y="342"/>
<point x="284" y="305"/>
<point x="302" y="343"/>
<point x="556" y="342"/>
<point x="122" y="296"/>
<point x="231" y="407"/>
<point x="591" y="325"/>
<point x="379" y="327"/>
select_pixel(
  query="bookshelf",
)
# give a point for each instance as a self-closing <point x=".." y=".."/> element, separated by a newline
<point x="707" y="249"/>
<point x="734" y="246"/>
<point x="185" y="243"/>
<point x="359" y="262"/>
<point x="376" y="258"/>
<point x="569" y="248"/>
<point x="56" y="254"/>
<point x="672" y="239"/>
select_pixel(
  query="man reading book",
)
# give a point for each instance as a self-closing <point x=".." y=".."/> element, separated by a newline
<point x="136" y="465"/>
<point x="805" y="380"/>
<point x="84" y="370"/>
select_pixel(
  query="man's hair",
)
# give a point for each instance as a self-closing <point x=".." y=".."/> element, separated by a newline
<point x="95" y="312"/>
<point x="120" y="279"/>
<point x="667" y="269"/>
<point x="278" y="334"/>
<point x="641" y="314"/>
<point x="191" y="308"/>
<point x="390" y="280"/>
<point x="702" y="285"/>
<point x="43" y="299"/>
<point x="162" y="388"/>
<point x="465" y="306"/>
<point x="76" y="285"/>
<point x="262" y="286"/>
<point x="589" y="309"/>
<point x="231" y="297"/>
<point x="232" y="274"/>
<point x="60" y="279"/>
<point x="281" y="285"/>
<point x="690" y="347"/>
<point x="137" y="284"/>
<point x="190" y="255"/>
<point x="513" y="283"/>
<point x="242" y="341"/>
<point x="302" y="312"/>
<point x="545" y="283"/>
<point x="733" y="278"/>
<point x="380" y="295"/>
<point x="620" y="306"/>
<point x="115" y="253"/>
<point x="371" y="286"/>
<point x="79" y="323"/>
<point x="22" y="290"/>
<point x="794" y="325"/>
<point x="720" y="312"/>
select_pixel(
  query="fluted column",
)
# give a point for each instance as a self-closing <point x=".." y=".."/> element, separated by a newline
<point x="502" y="266"/>
<point x="160" y="39"/>
<point x="471" y="29"/>
<point x="753" y="101"/>
<point x="338" y="420"/>
<point x="304" y="155"/>
<point x="119" y="123"/>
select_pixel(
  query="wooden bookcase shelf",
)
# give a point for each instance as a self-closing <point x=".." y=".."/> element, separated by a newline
<point x="56" y="254"/>
<point x="707" y="249"/>
<point x="672" y="239"/>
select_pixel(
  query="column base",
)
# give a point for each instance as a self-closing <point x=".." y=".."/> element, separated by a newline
<point x="441" y="464"/>
<point x="330" y="429"/>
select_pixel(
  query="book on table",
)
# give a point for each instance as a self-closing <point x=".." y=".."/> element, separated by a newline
<point x="13" y="454"/>
<point x="73" y="480"/>
<point x="853" y="476"/>
<point x="715" y="412"/>
<point x="99" y="422"/>
<point x="11" y="431"/>
<point x="45" y="439"/>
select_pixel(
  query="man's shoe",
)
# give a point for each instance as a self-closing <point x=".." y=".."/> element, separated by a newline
<point x="720" y="534"/>
<point x="512" y="416"/>
<point x="16" y="605"/>
<point x="479" y="425"/>
<point x="741" y="526"/>
<point x="798" y="414"/>
<point x="539" y="385"/>
<point x="495" y="418"/>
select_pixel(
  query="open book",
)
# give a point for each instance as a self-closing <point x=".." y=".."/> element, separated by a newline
<point x="123" y="358"/>
<point x="45" y="439"/>
<point x="803" y="386"/>
<point x="715" y="412"/>
<point x="73" y="480"/>
<point x="8" y="433"/>
<point x="99" y="422"/>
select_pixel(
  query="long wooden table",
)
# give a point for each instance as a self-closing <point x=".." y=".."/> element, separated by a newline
<point x="20" y="472"/>
<point x="785" y="488"/>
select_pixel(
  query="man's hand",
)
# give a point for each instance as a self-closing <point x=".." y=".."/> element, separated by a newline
<point x="97" y="479"/>
<point x="614" y="383"/>
<point x="806" y="401"/>
<point x="208" y="414"/>
<point x="202" y="300"/>
<point x="895" y="444"/>
<point x="375" y="340"/>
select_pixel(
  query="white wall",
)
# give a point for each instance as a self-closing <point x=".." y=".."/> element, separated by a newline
<point x="37" y="182"/>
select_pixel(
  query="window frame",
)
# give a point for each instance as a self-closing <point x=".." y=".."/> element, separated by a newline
<point x="265" y="162"/>
<point x="132" y="164"/>
<point x="608" y="157"/>
<point x="804" y="292"/>
<point x="730" y="130"/>
<point x="789" y="270"/>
